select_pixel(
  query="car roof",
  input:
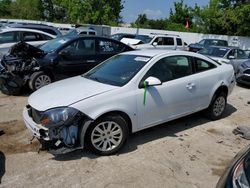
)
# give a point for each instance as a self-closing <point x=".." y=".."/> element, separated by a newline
<point x="73" y="37"/>
<point x="34" y="26"/>
<point x="153" y="53"/>
<point x="227" y="47"/>
<point x="7" y="29"/>
<point x="216" y="39"/>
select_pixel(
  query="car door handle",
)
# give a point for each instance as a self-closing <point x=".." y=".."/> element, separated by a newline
<point x="190" y="85"/>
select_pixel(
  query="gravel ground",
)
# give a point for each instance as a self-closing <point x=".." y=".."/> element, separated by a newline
<point x="189" y="152"/>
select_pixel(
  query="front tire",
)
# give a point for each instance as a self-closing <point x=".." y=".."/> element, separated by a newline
<point x="217" y="106"/>
<point x="38" y="80"/>
<point x="107" y="135"/>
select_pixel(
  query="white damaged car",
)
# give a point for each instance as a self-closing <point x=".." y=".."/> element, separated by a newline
<point x="127" y="93"/>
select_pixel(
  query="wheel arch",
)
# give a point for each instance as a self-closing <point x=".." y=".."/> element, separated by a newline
<point x="124" y="115"/>
<point x="49" y="72"/>
<point x="220" y="89"/>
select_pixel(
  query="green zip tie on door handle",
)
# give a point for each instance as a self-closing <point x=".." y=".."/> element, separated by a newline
<point x="145" y="93"/>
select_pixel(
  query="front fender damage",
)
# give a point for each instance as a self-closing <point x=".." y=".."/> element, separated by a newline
<point x="65" y="138"/>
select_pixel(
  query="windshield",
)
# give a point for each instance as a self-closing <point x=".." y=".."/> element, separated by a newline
<point x="144" y="38"/>
<point x="54" y="44"/>
<point x="117" y="70"/>
<point x="213" y="51"/>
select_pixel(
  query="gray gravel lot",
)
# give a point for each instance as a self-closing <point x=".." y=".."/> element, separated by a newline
<point x="189" y="152"/>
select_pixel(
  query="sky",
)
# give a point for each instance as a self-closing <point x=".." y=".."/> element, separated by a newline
<point x="154" y="9"/>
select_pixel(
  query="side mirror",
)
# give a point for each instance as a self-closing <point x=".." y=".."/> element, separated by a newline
<point x="150" y="81"/>
<point x="231" y="57"/>
<point x="155" y="43"/>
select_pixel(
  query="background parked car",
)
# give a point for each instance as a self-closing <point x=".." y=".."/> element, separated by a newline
<point x="41" y="27"/>
<point x="156" y="41"/>
<point x="243" y="73"/>
<point x="127" y="93"/>
<point x="59" y="58"/>
<point x="237" y="174"/>
<point x="222" y="54"/>
<point x="81" y="31"/>
<point x="206" y="43"/>
<point x="120" y="36"/>
<point x="10" y="36"/>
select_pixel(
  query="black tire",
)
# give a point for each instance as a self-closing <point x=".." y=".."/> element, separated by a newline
<point x="217" y="106"/>
<point x="118" y="123"/>
<point x="37" y="77"/>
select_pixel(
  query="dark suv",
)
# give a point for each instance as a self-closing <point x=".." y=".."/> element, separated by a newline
<point x="206" y="43"/>
<point x="59" y="58"/>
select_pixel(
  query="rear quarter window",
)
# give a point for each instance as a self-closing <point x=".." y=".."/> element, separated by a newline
<point x="202" y="65"/>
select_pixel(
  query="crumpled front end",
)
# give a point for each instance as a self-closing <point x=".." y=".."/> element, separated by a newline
<point x="61" y="132"/>
<point x="16" y="66"/>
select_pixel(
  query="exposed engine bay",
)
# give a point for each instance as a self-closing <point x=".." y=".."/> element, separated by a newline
<point x="17" y="66"/>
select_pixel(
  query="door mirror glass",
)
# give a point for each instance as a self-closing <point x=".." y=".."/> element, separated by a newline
<point x="155" y="43"/>
<point x="231" y="57"/>
<point x="150" y="81"/>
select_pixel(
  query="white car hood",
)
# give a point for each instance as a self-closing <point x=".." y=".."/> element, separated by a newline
<point x="66" y="92"/>
<point x="129" y="41"/>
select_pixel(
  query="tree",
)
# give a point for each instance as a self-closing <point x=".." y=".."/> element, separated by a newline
<point x="5" y="8"/>
<point x="27" y="9"/>
<point x="142" y="20"/>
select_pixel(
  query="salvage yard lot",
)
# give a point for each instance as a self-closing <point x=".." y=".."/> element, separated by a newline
<point x="189" y="152"/>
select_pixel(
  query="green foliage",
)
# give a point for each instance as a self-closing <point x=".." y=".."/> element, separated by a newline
<point x="74" y="11"/>
<point x="5" y="8"/>
<point x="27" y="9"/>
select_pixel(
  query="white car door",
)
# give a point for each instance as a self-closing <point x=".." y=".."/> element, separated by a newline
<point x="208" y="75"/>
<point x="174" y="98"/>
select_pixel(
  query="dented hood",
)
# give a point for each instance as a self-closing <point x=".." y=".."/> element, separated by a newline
<point x="67" y="92"/>
<point x="25" y="50"/>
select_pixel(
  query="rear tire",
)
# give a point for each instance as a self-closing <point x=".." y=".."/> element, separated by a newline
<point x="107" y="135"/>
<point x="217" y="106"/>
<point x="38" y="80"/>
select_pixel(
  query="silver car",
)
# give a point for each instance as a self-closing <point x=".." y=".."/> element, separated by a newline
<point x="243" y="73"/>
<point x="226" y="54"/>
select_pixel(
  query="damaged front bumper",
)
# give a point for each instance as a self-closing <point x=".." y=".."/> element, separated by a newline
<point x="59" y="139"/>
<point x="36" y="129"/>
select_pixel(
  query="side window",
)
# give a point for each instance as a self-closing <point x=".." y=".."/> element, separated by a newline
<point x="170" y="68"/>
<point x="241" y="54"/>
<point x="81" y="47"/>
<point x="169" y="41"/>
<point x="9" y="37"/>
<point x="159" y="41"/>
<point x="231" y="53"/>
<point x="107" y="47"/>
<point x="202" y="65"/>
<point x="30" y="36"/>
<point x="179" y="42"/>
<point x="45" y="37"/>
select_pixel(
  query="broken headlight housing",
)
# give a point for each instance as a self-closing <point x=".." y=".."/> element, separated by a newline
<point x="58" y="116"/>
